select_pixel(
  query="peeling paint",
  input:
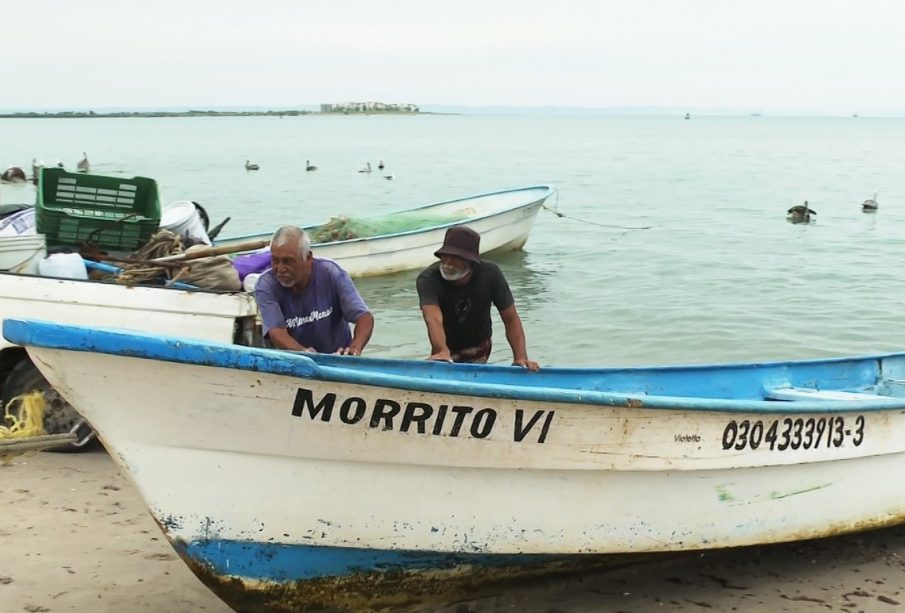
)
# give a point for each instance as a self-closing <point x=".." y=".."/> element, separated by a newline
<point x="392" y="590"/>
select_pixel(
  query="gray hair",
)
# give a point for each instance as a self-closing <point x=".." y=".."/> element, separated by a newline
<point x="286" y="234"/>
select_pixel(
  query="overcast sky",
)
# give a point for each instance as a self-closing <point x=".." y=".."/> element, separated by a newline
<point x="826" y="56"/>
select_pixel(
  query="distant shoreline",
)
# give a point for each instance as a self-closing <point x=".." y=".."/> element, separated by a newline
<point x="120" y="114"/>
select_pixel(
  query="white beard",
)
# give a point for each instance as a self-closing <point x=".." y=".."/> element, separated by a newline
<point x="452" y="274"/>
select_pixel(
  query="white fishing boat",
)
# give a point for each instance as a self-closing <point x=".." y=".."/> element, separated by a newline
<point x="21" y="254"/>
<point x="228" y="317"/>
<point x="292" y="481"/>
<point x="503" y="219"/>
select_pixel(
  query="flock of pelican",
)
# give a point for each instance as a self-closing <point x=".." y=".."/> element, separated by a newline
<point x="309" y="167"/>
<point x="15" y="174"/>
<point x="802" y="213"/>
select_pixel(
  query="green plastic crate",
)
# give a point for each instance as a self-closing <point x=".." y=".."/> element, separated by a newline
<point x="110" y="212"/>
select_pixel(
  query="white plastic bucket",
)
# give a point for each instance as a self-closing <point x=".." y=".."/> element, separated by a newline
<point x="182" y="218"/>
<point x="250" y="281"/>
<point x="64" y="266"/>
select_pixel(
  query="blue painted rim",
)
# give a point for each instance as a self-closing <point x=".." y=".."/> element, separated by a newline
<point x="457" y="379"/>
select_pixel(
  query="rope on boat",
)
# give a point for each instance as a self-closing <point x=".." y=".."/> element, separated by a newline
<point x="25" y="431"/>
<point x="162" y="244"/>
<point x="555" y="211"/>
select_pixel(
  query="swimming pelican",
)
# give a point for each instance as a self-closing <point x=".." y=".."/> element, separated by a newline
<point x="801" y="213"/>
<point x="870" y="205"/>
<point x="250" y="166"/>
<point x="84" y="165"/>
<point x="13" y="174"/>
<point x="389" y="177"/>
<point x="366" y="168"/>
<point x="309" y="166"/>
<point x="380" y="165"/>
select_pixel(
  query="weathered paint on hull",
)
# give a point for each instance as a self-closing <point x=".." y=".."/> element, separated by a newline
<point x="299" y="477"/>
<point x="624" y="479"/>
<point x="346" y="579"/>
<point x="394" y="581"/>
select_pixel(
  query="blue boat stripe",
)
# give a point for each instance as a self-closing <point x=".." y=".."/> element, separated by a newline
<point x="280" y="562"/>
<point x="454" y="379"/>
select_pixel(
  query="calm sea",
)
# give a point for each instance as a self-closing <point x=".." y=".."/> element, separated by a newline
<point x="720" y="275"/>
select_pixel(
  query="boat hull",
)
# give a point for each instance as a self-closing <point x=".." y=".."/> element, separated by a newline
<point x="279" y="479"/>
<point x="503" y="219"/>
<point x="21" y="254"/>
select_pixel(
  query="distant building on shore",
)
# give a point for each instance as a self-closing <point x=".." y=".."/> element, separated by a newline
<point x="368" y="107"/>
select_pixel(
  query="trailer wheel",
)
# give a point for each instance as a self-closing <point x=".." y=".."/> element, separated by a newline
<point x="59" y="416"/>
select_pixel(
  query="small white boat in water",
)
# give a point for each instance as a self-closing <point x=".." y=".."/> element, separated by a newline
<point x="292" y="481"/>
<point x="503" y="219"/>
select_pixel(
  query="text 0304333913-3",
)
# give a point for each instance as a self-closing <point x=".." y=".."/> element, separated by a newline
<point x="797" y="433"/>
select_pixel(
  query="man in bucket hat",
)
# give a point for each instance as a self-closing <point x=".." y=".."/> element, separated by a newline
<point x="455" y="296"/>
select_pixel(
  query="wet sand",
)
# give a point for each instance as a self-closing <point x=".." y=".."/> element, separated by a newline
<point x="75" y="536"/>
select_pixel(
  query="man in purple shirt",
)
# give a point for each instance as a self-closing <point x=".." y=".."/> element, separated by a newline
<point x="307" y="303"/>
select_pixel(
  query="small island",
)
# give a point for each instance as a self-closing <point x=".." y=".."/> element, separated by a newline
<point x="345" y="108"/>
<point x="191" y="113"/>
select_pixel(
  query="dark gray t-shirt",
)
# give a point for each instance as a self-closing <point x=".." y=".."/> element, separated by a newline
<point x="465" y="308"/>
<point x="320" y="315"/>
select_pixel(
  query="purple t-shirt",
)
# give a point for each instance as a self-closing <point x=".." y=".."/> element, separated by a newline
<point x="318" y="316"/>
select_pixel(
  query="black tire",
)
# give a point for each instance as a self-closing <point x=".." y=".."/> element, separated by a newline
<point x="59" y="416"/>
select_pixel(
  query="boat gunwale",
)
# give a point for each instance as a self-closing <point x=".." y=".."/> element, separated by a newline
<point x="126" y="343"/>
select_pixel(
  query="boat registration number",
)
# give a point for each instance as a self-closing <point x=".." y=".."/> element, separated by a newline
<point x="798" y="433"/>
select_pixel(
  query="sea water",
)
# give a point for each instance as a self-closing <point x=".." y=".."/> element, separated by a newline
<point x="673" y="246"/>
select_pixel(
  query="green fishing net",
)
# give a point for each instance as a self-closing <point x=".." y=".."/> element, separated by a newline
<point x="342" y="227"/>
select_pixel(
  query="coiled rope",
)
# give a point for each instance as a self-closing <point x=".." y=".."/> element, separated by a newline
<point x="162" y="244"/>
<point x="28" y="418"/>
<point x="23" y="427"/>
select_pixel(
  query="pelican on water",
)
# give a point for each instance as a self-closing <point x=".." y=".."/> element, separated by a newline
<point x="366" y="168"/>
<point x="13" y="174"/>
<point x="84" y="165"/>
<point x="801" y="213"/>
<point x="870" y="205"/>
<point x="309" y="166"/>
<point x="250" y="166"/>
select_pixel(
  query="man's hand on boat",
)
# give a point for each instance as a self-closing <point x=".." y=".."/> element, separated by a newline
<point x="441" y="356"/>
<point x="350" y="350"/>
<point x="526" y="363"/>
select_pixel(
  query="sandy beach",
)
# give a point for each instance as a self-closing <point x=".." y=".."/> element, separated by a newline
<point x="77" y="537"/>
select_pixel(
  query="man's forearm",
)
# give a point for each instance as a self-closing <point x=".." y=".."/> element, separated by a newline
<point x="361" y="334"/>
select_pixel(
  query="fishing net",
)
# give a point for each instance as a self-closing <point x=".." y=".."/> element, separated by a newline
<point x="343" y="227"/>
